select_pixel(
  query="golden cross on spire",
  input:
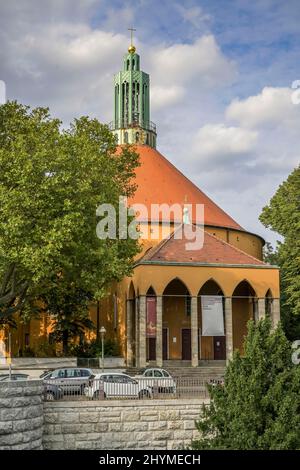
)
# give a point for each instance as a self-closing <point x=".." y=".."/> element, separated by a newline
<point x="131" y="34"/>
<point x="131" y="48"/>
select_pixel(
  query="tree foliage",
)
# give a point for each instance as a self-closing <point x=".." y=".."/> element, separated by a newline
<point x="258" y="407"/>
<point x="283" y="216"/>
<point x="51" y="182"/>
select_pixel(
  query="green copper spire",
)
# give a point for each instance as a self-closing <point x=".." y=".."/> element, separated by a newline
<point x="131" y="122"/>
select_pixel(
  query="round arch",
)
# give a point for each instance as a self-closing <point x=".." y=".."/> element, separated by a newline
<point x="176" y="287"/>
<point x="151" y="292"/>
<point x="212" y="347"/>
<point x="131" y="291"/>
<point x="211" y="287"/>
<point x="244" y="289"/>
<point x="269" y="303"/>
<point x="244" y="308"/>
<point x="176" y="319"/>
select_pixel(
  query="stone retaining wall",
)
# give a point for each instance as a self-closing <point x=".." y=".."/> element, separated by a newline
<point x="21" y="415"/>
<point x="149" y="424"/>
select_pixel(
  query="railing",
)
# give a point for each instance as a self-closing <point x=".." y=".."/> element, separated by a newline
<point x="127" y="389"/>
<point x="128" y="124"/>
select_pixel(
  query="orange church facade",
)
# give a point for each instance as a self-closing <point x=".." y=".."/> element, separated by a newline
<point x="170" y="283"/>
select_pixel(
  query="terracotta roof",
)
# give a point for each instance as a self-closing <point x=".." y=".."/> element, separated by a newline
<point x="214" y="251"/>
<point x="160" y="182"/>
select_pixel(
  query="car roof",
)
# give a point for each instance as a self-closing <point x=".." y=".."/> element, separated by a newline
<point x="111" y="372"/>
<point x="69" y="367"/>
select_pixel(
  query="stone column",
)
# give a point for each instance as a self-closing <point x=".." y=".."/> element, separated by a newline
<point x="129" y="307"/>
<point x="261" y="308"/>
<point x="137" y="331"/>
<point x="142" y="331"/>
<point x="194" y="331"/>
<point x="228" y="327"/>
<point x="275" y="312"/>
<point x="159" y="337"/>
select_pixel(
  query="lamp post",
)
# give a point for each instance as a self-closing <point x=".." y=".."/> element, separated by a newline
<point x="102" y="332"/>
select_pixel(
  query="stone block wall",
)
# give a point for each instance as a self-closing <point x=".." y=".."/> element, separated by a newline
<point x="21" y="415"/>
<point x="148" y="424"/>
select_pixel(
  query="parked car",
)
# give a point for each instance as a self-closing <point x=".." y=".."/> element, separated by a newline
<point x="158" y="377"/>
<point x="72" y="380"/>
<point x="7" y="377"/>
<point x="53" y="392"/>
<point x="117" y="385"/>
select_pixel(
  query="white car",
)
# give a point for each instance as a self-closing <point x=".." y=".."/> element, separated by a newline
<point x="159" y="378"/>
<point x="116" y="385"/>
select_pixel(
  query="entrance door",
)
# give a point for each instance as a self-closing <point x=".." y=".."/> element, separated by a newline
<point x="165" y="344"/>
<point x="186" y="350"/>
<point x="151" y="349"/>
<point x="219" y="348"/>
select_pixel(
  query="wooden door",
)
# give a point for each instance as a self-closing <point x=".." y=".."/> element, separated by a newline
<point x="186" y="345"/>
<point x="219" y="348"/>
<point x="151" y="349"/>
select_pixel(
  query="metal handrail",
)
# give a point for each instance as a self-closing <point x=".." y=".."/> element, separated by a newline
<point x="127" y="124"/>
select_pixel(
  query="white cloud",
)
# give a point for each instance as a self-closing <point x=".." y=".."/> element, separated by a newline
<point x="163" y="96"/>
<point x="194" y="15"/>
<point x="218" y="141"/>
<point x="201" y="62"/>
<point x="272" y="107"/>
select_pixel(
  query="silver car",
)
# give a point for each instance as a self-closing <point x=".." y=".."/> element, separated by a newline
<point x="71" y="380"/>
<point x="116" y="385"/>
<point x="159" y="378"/>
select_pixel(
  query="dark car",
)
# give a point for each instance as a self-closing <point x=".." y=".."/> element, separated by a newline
<point x="7" y="377"/>
<point x="72" y="380"/>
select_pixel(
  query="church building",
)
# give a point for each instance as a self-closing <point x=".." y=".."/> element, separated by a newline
<point x="183" y="305"/>
<point x="180" y="304"/>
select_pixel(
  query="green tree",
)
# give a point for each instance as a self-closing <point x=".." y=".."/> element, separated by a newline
<point x="68" y="306"/>
<point x="51" y="183"/>
<point x="283" y="216"/>
<point x="258" y="407"/>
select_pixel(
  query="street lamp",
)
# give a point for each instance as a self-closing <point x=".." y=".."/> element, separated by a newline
<point x="102" y="332"/>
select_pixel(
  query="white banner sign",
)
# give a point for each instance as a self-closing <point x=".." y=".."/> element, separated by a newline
<point x="212" y="315"/>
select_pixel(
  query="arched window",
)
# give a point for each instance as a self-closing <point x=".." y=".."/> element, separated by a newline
<point x="126" y="137"/>
<point x="137" y="137"/>
<point x="128" y="64"/>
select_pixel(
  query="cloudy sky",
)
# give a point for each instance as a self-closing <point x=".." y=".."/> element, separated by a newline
<point x="221" y="77"/>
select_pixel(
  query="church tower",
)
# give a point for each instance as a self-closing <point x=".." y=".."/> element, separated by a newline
<point x="131" y="122"/>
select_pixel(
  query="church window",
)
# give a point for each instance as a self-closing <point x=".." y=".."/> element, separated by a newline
<point x="137" y="137"/>
<point x="126" y="137"/>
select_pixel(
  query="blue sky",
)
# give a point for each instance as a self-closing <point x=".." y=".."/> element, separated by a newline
<point x="221" y="74"/>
